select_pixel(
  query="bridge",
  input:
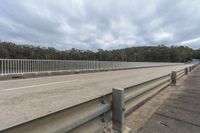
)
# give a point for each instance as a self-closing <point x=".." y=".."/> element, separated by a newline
<point x="83" y="102"/>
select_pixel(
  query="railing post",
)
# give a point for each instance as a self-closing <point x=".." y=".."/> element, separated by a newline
<point x="118" y="114"/>
<point x="173" y="77"/>
<point x="186" y="71"/>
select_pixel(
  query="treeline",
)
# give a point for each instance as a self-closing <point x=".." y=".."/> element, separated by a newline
<point x="196" y="54"/>
<point x="159" y="53"/>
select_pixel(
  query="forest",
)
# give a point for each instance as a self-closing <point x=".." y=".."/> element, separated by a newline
<point x="160" y="53"/>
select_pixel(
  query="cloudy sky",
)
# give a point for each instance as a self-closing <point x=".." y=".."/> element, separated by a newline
<point x="105" y="24"/>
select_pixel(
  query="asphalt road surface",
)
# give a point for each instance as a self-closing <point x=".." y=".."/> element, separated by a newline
<point x="22" y="100"/>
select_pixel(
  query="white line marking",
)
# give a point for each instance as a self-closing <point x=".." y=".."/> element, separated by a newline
<point x="35" y="78"/>
<point x="18" y="88"/>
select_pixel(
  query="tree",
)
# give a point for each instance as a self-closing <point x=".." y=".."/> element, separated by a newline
<point x="158" y="53"/>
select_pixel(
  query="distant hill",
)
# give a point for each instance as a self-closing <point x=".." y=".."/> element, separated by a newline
<point x="159" y="53"/>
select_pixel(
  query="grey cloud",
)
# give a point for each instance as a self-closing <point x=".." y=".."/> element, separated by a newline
<point x="106" y="24"/>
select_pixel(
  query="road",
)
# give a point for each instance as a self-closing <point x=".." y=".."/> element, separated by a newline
<point x="22" y="100"/>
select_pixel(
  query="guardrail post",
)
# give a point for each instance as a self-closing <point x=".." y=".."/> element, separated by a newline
<point x="186" y="71"/>
<point x="173" y="77"/>
<point x="190" y="69"/>
<point x="118" y="114"/>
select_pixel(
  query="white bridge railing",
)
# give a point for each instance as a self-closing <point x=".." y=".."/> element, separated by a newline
<point x="20" y="66"/>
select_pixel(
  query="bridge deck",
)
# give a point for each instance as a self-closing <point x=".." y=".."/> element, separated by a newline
<point x="180" y="113"/>
<point x="27" y="99"/>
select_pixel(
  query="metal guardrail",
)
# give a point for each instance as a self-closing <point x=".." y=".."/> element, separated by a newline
<point x="97" y="114"/>
<point x="136" y="94"/>
<point x="180" y="73"/>
<point x="21" y="66"/>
